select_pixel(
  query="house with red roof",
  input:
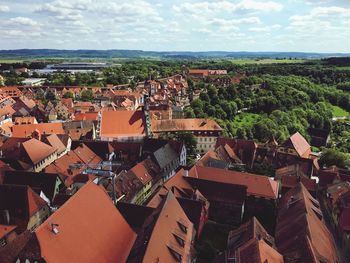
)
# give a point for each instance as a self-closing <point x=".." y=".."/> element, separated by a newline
<point x="194" y="204"/>
<point x="201" y="73"/>
<point x="250" y="243"/>
<point x="87" y="228"/>
<point x="28" y="154"/>
<point x="206" y="131"/>
<point x="255" y="195"/>
<point x="123" y="125"/>
<point x="257" y="185"/>
<point x="26" y="130"/>
<point x="167" y="235"/>
<point x="137" y="184"/>
<point x="296" y="145"/>
<point x="22" y="207"/>
<point x="301" y="234"/>
<point x="82" y="156"/>
<point x="337" y="201"/>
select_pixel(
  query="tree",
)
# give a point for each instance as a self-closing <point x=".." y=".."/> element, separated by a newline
<point x="87" y="95"/>
<point x="189" y="140"/>
<point x="68" y="95"/>
<point x="331" y="157"/>
<point x="189" y="113"/>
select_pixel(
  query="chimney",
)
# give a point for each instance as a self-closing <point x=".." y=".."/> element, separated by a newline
<point x="54" y="228"/>
<point x="186" y="173"/>
<point x="36" y="134"/>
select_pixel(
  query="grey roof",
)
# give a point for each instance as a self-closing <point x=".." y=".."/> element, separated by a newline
<point x="165" y="155"/>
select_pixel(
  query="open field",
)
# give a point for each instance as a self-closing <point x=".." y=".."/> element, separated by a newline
<point x="266" y="61"/>
<point x="339" y="112"/>
<point x="9" y="60"/>
<point x="245" y="119"/>
<point x="347" y="68"/>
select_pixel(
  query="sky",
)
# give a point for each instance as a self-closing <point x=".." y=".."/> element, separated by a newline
<point x="174" y="25"/>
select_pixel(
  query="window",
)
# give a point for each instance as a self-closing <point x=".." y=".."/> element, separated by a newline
<point x="314" y="203"/>
<point x="3" y="242"/>
<point x="182" y="227"/>
<point x="318" y="214"/>
<point x="175" y="254"/>
<point x="179" y="240"/>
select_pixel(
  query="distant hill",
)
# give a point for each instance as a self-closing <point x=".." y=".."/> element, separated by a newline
<point x="108" y="54"/>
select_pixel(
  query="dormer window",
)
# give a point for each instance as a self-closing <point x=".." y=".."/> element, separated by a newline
<point x="182" y="227"/>
<point x="179" y="240"/>
<point x="175" y="254"/>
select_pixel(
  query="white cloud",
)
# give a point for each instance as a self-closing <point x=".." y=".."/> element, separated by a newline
<point x="227" y="6"/>
<point x="22" y="21"/>
<point x="4" y="8"/>
<point x="320" y="19"/>
<point x="265" y="6"/>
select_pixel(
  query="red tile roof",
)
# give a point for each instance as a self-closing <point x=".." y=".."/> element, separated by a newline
<point x="86" y="155"/>
<point x="184" y="125"/>
<point x="141" y="172"/>
<point x="55" y="142"/>
<point x="7" y="110"/>
<point x="167" y="228"/>
<point x="301" y="234"/>
<point x="292" y="181"/>
<point x="257" y="185"/>
<point x="81" y="155"/>
<point x="90" y="229"/>
<point x="26" y="130"/>
<point x="37" y="150"/>
<point x="257" y="251"/>
<point x="122" y="123"/>
<point x="92" y="116"/>
<point x="299" y="143"/>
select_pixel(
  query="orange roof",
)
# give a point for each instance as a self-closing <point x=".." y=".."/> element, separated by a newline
<point x="26" y="130"/>
<point x="257" y="185"/>
<point x="122" y="123"/>
<point x="28" y="102"/>
<point x="177" y="181"/>
<point x="61" y="166"/>
<point x="86" y="155"/>
<point x="257" y="251"/>
<point x="37" y="150"/>
<point x="207" y="157"/>
<point x="302" y="147"/>
<point x="300" y="217"/>
<point x="185" y="125"/>
<point x="86" y="116"/>
<point x="204" y="72"/>
<point x="56" y="143"/>
<point x="7" y="110"/>
<point x="82" y="154"/>
<point x="11" y="91"/>
<point x="5" y="229"/>
<point x="90" y="229"/>
<point x="35" y="202"/>
<point x="5" y="128"/>
<point x="166" y="230"/>
<point x="141" y="172"/>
